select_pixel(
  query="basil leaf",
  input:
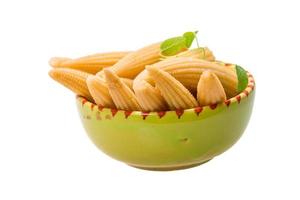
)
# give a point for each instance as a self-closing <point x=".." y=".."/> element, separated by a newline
<point x="189" y="38"/>
<point x="173" y="45"/>
<point x="242" y="78"/>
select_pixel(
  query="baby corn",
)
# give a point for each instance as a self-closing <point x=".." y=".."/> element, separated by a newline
<point x="135" y="62"/>
<point x="149" y="97"/>
<point x="175" y="94"/>
<point x="57" y="61"/>
<point x="99" y="91"/>
<point x="200" y="53"/>
<point x="128" y="82"/>
<point x="209" y="89"/>
<point x="121" y="94"/>
<point x="91" y="64"/>
<point x="188" y="70"/>
<point x="73" y="79"/>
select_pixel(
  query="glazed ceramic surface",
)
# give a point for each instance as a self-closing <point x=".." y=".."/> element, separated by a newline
<point x="168" y="140"/>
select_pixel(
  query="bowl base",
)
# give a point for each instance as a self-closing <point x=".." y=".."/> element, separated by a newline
<point x="172" y="168"/>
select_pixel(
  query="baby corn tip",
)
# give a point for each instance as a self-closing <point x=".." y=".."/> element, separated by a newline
<point x="56" y="61"/>
<point x="111" y="78"/>
<point x="208" y="74"/>
<point x="89" y="79"/>
<point x="109" y="74"/>
<point x="51" y="73"/>
<point x="152" y="69"/>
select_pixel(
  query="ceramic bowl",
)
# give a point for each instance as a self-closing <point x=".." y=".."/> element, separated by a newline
<point x="168" y="140"/>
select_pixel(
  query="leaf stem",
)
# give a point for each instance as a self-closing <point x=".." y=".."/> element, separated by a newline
<point x="197" y="39"/>
<point x="203" y="49"/>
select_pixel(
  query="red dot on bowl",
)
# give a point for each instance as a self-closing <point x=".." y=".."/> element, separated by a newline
<point x="161" y="113"/>
<point x="238" y="98"/>
<point x="92" y="106"/>
<point x="113" y="111"/>
<point x="145" y="115"/>
<point x="227" y="103"/>
<point x="100" y="108"/>
<point x="179" y="113"/>
<point x="127" y="114"/>
<point x="251" y="86"/>
<point x="198" y="110"/>
<point x="213" y="106"/>
<point x="84" y="101"/>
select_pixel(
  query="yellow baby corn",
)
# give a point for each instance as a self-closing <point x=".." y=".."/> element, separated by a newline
<point x="91" y="64"/>
<point x="99" y="91"/>
<point x="128" y="82"/>
<point x="188" y="71"/>
<point x="57" y="61"/>
<point x="149" y="97"/>
<point x="121" y="94"/>
<point x="135" y="62"/>
<point x="209" y="89"/>
<point x="186" y="77"/>
<point x="200" y="53"/>
<point x="175" y="94"/>
<point x="73" y="79"/>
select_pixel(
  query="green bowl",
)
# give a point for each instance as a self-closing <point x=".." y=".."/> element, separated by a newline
<point x="168" y="140"/>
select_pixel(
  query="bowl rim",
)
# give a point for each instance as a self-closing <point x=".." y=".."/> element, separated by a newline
<point x="179" y="112"/>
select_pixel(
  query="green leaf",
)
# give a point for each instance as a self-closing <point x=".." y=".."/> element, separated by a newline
<point x="189" y="38"/>
<point x="173" y="45"/>
<point x="242" y="78"/>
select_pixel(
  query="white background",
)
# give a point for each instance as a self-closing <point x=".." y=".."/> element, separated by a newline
<point x="44" y="151"/>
